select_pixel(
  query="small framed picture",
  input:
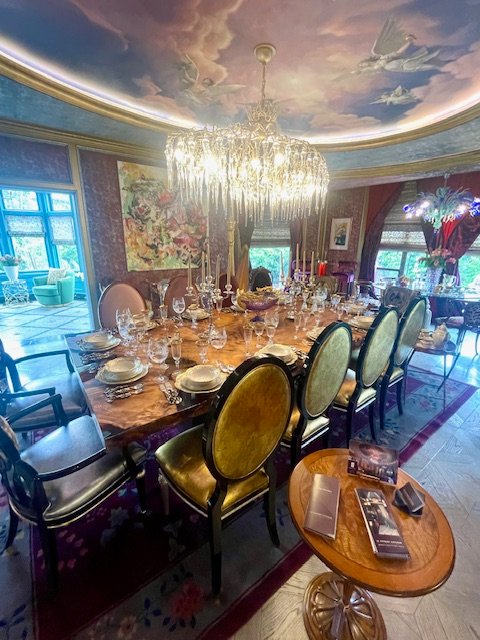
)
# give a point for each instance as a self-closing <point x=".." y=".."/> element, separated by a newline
<point x="340" y="234"/>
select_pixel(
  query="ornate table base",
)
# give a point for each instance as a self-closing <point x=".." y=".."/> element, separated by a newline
<point x="334" y="608"/>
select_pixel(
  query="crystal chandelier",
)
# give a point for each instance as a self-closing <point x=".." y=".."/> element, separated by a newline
<point x="249" y="168"/>
<point x="443" y="205"/>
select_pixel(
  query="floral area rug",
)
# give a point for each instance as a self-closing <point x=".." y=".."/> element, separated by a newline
<point x="124" y="578"/>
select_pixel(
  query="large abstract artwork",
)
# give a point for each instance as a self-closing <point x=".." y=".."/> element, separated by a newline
<point x="159" y="232"/>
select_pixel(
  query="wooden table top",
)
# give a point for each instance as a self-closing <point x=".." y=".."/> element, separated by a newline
<point x="140" y="415"/>
<point x="429" y="538"/>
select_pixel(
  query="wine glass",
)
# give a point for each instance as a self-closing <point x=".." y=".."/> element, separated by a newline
<point x="202" y="346"/>
<point x="218" y="339"/>
<point x="270" y="332"/>
<point x="157" y="352"/>
<point x="298" y="323"/>
<point x="122" y="314"/>
<point x="258" y="327"/>
<point x="247" y="336"/>
<point x="126" y="330"/>
<point x="176" y="349"/>
<point x="178" y="305"/>
<point x="163" y="311"/>
<point x="141" y="322"/>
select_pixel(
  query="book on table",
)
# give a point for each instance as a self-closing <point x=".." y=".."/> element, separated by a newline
<point x="373" y="461"/>
<point x="322" y="511"/>
<point x="385" y="537"/>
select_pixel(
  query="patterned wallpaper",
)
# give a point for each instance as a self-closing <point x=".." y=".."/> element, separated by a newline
<point x="20" y="158"/>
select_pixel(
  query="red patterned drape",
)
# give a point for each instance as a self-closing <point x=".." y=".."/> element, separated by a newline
<point x="380" y="200"/>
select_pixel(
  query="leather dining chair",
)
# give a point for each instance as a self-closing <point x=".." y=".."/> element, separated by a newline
<point x="32" y="377"/>
<point x="220" y="467"/>
<point x="63" y="476"/>
<point x="318" y="386"/>
<point x="359" y="388"/>
<point x="118" y="295"/>
<point x="403" y="349"/>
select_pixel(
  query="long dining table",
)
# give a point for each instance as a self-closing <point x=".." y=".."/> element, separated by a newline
<point x="140" y="415"/>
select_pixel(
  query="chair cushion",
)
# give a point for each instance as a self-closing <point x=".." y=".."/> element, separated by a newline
<point x="397" y="374"/>
<point x="455" y="321"/>
<point x="54" y="275"/>
<point x="45" y="290"/>
<point x="313" y="426"/>
<point x="73" y="401"/>
<point x="75" y="494"/>
<point x="183" y="465"/>
<point x="347" y="389"/>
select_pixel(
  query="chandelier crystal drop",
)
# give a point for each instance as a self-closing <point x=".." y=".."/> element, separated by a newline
<point x="443" y="205"/>
<point x="250" y="167"/>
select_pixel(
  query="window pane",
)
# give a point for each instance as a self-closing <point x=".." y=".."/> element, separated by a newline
<point x="389" y="259"/>
<point x="32" y="253"/>
<point x="20" y="200"/>
<point x="62" y="229"/>
<point x="412" y="268"/>
<point x="24" y="225"/>
<point x="270" y="258"/>
<point x="68" y="257"/>
<point x="403" y="238"/>
<point x="469" y="268"/>
<point x="61" y="202"/>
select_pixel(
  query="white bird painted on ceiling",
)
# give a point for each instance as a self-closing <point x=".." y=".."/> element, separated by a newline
<point x="400" y="95"/>
<point x="389" y="53"/>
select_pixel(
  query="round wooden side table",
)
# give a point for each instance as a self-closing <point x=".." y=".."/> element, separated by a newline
<point x="338" y="605"/>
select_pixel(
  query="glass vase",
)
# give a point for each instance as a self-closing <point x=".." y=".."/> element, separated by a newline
<point x="432" y="278"/>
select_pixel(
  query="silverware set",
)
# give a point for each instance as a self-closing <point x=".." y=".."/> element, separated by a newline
<point x="95" y="356"/>
<point x="170" y="393"/>
<point x="119" y="392"/>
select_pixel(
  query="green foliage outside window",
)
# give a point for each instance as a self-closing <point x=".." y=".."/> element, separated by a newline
<point x="270" y="257"/>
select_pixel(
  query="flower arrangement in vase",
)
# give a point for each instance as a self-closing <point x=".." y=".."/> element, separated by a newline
<point x="438" y="258"/>
<point x="10" y="266"/>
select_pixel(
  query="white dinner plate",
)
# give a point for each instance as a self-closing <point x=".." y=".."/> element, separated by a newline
<point x="84" y="346"/>
<point x="291" y="360"/>
<point x="141" y="374"/>
<point x="201" y="315"/>
<point x="181" y="380"/>
<point x="362" y="322"/>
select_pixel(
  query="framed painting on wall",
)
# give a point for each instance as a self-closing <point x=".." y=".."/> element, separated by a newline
<point x="340" y="234"/>
<point x="160" y="233"/>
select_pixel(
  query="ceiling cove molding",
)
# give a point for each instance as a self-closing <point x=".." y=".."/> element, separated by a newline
<point x="56" y="89"/>
<point x="56" y="136"/>
<point x="40" y="82"/>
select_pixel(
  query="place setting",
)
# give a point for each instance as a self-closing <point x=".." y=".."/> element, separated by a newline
<point x="122" y="371"/>
<point x="99" y="341"/>
<point x="201" y="378"/>
<point x="281" y="351"/>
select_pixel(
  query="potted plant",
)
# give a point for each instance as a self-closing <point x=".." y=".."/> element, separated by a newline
<point x="435" y="262"/>
<point x="10" y="266"/>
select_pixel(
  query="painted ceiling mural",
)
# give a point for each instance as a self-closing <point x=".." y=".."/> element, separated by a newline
<point x="343" y="71"/>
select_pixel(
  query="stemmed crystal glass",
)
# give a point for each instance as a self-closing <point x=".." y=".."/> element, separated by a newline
<point x="247" y="336"/>
<point x="258" y="327"/>
<point x="178" y="305"/>
<point x="218" y="339"/>
<point x="298" y="323"/>
<point x="176" y="349"/>
<point x="270" y="332"/>
<point x="202" y="346"/>
<point x="157" y="352"/>
<point x="126" y="329"/>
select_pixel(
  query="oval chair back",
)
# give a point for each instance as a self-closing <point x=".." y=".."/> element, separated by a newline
<point x="409" y="330"/>
<point x="398" y="297"/>
<point x="327" y="365"/>
<point x="118" y="295"/>
<point x="177" y="288"/>
<point x="250" y="415"/>
<point x="377" y="347"/>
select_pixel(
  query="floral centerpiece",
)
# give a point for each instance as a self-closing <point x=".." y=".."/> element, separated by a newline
<point x="438" y="258"/>
<point x="435" y="262"/>
<point x="9" y="261"/>
<point x="10" y="266"/>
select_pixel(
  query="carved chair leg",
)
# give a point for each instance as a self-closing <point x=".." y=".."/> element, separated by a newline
<point x="350" y="414"/>
<point x="400" y="395"/>
<point x="165" y="493"/>
<point x="141" y="490"/>
<point x="382" y="402"/>
<point x="215" y="538"/>
<point x="12" y="528"/>
<point x="371" y="420"/>
<point x="49" y="546"/>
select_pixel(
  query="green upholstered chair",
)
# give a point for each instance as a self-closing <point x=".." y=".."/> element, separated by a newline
<point x="219" y="467"/>
<point x="54" y="295"/>
<point x="322" y="378"/>
<point x="403" y="349"/>
<point x="359" y="389"/>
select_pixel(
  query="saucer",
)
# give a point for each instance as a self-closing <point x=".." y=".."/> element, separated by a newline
<point x="106" y="380"/>
<point x="89" y="348"/>
<point x="181" y="383"/>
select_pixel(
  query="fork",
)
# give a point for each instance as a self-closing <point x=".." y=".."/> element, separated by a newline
<point x="111" y="397"/>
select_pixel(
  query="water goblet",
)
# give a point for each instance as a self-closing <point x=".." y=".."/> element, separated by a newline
<point x="176" y="349"/>
<point x="122" y="314"/>
<point x="247" y="336"/>
<point x="126" y="330"/>
<point x="298" y="323"/>
<point x="270" y="332"/>
<point x="202" y="346"/>
<point x="178" y="305"/>
<point x="218" y="339"/>
<point x="157" y="352"/>
<point x="163" y="311"/>
<point x="258" y="327"/>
